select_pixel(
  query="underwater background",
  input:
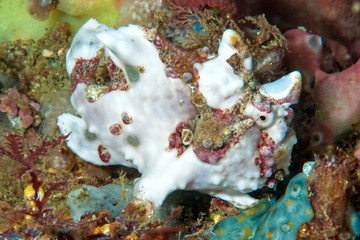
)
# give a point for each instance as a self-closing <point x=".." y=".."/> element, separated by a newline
<point x="48" y="192"/>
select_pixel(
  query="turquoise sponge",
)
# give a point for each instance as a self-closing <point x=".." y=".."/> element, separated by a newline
<point x="87" y="199"/>
<point x="263" y="221"/>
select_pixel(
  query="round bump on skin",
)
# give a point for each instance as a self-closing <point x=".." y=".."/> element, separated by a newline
<point x="115" y="129"/>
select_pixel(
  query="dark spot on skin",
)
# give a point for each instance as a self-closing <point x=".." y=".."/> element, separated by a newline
<point x="132" y="73"/>
<point x="133" y="140"/>
<point x="89" y="135"/>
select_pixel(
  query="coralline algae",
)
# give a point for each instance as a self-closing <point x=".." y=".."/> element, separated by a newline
<point x="210" y="131"/>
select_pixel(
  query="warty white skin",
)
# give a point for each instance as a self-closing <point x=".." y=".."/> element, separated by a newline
<point x="157" y="104"/>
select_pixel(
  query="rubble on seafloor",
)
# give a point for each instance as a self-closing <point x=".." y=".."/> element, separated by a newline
<point x="48" y="191"/>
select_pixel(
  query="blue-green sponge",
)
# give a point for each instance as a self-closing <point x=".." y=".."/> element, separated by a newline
<point x="279" y="221"/>
<point x="87" y="199"/>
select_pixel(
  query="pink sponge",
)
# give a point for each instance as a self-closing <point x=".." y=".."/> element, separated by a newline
<point x="337" y="94"/>
<point x="17" y="104"/>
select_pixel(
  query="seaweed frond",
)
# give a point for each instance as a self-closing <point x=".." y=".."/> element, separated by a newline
<point x="26" y="149"/>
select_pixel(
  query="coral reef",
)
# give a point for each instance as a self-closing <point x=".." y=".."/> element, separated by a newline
<point x="192" y="105"/>
<point x="212" y="121"/>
